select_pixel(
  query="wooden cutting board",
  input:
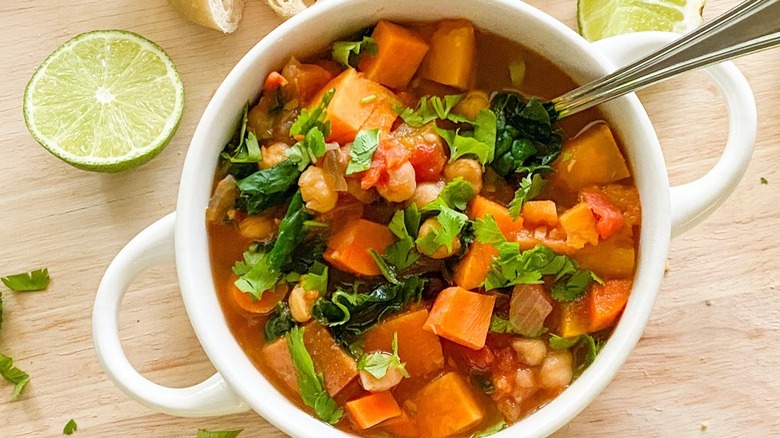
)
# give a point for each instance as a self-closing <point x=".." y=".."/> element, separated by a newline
<point x="706" y="366"/>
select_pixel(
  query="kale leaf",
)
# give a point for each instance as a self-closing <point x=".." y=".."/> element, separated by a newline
<point x="267" y="187"/>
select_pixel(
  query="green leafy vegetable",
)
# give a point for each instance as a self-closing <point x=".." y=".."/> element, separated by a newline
<point x="501" y="325"/>
<point x="486" y="231"/>
<point x="363" y="148"/>
<point x="525" y="137"/>
<point x="203" y="433"/>
<point x="27" y="282"/>
<point x="317" y="278"/>
<point x="404" y="225"/>
<point x="492" y="430"/>
<point x="451" y="223"/>
<point x="314" y="129"/>
<point x="764" y="181"/>
<point x="385" y="269"/>
<point x="315" y="118"/>
<point x="530" y="187"/>
<point x="431" y="108"/>
<point x="267" y="187"/>
<point x="12" y="374"/>
<point x="248" y="149"/>
<point x="561" y="343"/>
<point x="377" y="363"/>
<point x="480" y="143"/>
<point x="70" y="427"/>
<point x="254" y="275"/>
<point x="346" y="52"/>
<point x="310" y="383"/>
<point x="584" y="350"/>
<point x="280" y="321"/>
<point x="456" y="194"/>
<point x="513" y="267"/>
<point x="307" y="151"/>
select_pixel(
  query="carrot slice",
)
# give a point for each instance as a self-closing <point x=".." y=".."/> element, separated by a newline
<point x="461" y="316"/>
<point x="480" y="207"/>
<point x="245" y="303"/>
<point x="607" y="301"/>
<point x="349" y="248"/>
<point x="447" y="406"/>
<point x="399" y="53"/>
<point x="372" y="409"/>
<point x="420" y="350"/>
<point x="472" y="270"/>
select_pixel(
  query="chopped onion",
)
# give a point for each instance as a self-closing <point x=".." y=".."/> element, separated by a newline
<point x="528" y="309"/>
<point x="224" y="199"/>
<point x="335" y="163"/>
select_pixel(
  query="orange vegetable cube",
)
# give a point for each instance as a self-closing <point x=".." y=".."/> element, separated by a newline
<point x="540" y="213"/>
<point x="400" y="52"/>
<point x="447" y="406"/>
<point x="401" y="426"/>
<point x="553" y="238"/>
<point x="472" y="270"/>
<point x="277" y="356"/>
<point x="580" y="226"/>
<point x="338" y="368"/>
<point x="461" y="316"/>
<point x="612" y="258"/>
<point x="451" y="59"/>
<point x="571" y="319"/>
<point x="349" y="248"/>
<point x="606" y="302"/>
<point x="593" y="157"/>
<point x="481" y="207"/>
<point x="372" y="409"/>
<point x="420" y="350"/>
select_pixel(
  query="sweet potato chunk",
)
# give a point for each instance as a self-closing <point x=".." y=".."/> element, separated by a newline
<point x="612" y="258"/>
<point x="337" y="367"/>
<point x="349" y="248"/>
<point x="472" y="270"/>
<point x="461" y="316"/>
<point x="540" y="213"/>
<point x="447" y="406"/>
<point x="277" y="356"/>
<point x="399" y="53"/>
<point x="480" y="207"/>
<point x="451" y="58"/>
<point x="373" y="409"/>
<point x="419" y="349"/>
<point x="593" y="157"/>
<point x="580" y="226"/>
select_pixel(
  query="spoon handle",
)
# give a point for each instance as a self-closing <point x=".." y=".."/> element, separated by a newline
<point x="747" y="28"/>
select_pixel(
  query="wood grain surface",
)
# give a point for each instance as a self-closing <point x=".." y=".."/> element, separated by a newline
<point x="706" y="366"/>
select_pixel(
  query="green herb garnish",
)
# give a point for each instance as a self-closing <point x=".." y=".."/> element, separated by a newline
<point x="363" y="148"/>
<point x="583" y="347"/>
<point x="316" y="279"/>
<point x="404" y="225"/>
<point x="456" y="194"/>
<point x="492" y="430"/>
<point x="479" y="143"/>
<point x="311" y="383"/>
<point x="12" y="374"/>
<point x="486" y="231"/>
<point x="203" y="433"/>
<point x="27" y="282"/>
<point x="377" y="363"/>
<point x="431" y="108"/>
<point x="347" y="52"/>
<point x="451" y="223"/>
<point x="530" y="187"/>
<point x="70" y="427"/>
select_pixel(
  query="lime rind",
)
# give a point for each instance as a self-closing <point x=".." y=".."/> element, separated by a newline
<point x="598" y="19"/>
<point x="108" y="117"/>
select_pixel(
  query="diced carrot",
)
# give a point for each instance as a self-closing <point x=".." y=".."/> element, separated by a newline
<point x="472" y="270"/>
<point x="580" y="226"/>
<point x="273" y="81"/>
<point x="246" y="303"/>
<point x="461" y="316"/>
<point x="348" y="110"/>
<point x="338" y="368"/>
<point x="399" y="53"/>
<point x="593" y="157"/>
<point x="540" y="213"/>
<point x="401" y="426"/>
<point x="311" y="79"/>
<point x="609" y="218"/>
<point x="451" y="59"/>
<point x="553" y="238"/>
<point x="373" y="409"/>
<point x="418" y="349"/>
<point x="277" y="356"/>
<point x="480" y="207"/>
<point x="612" y="258"/>
<point x="349" y="249"/>
<point x="571" y="319"/>
<point x="606" y="302"/>
<point x="447" y="406"/>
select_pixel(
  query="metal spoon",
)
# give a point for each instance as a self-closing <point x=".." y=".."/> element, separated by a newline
<point x="747" y="28"/>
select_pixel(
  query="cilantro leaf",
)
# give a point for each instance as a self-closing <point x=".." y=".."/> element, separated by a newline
<point x="584" y="349"/>
<point x="342" y="51"/>
<point x="487" y="231"/>
<point x="404" y="225"/>
<point x="315" y="118"/>
<point x="451" y="223"/>
<point x="530" y="187"/>
<point x="363" y="148"/>
<point x="377" y="363"/>
<point x="27" y="282"/>
<point x="456" y="194"/>
<point x="311" y="383"/>
<point x="255" y="275"/>
<point x="561" y="343"/>
<point x="431" y="108"/>
<point x="492" y="430"/>
<point x="501" y="325"/>
<point x="70" y="427"/>
<point x="248" y="148"/>
<point x="203" y="433"/>
<point x="316" y="279"/>
<point x="461" y="145"/>
<point x="574" y="286"/>
<point x="305" y="152"/>
<point x="12" y="374"/>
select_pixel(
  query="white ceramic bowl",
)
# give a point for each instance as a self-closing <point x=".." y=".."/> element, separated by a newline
<point x="238" y="386"/>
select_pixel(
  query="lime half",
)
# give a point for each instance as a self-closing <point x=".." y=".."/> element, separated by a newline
<point x="106" y="101"/>
<point x="599" y="19"/>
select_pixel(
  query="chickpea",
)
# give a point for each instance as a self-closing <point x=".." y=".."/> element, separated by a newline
<point x="426" y="193"/>
<point x="556" y="370"/>
<point x="441" y="252"/>
<point x="401" y="184"/>
<point x="302" y="302"/>
<point x="262" y="226"/>
<point x="474" y="102"/>
<point x="357" y="192"/>
<point x="318" y="189"/>
<point x="466" y="168"/>
<point x="530" y="351"/>
<point x="392" y="378"/>
<point x="273" y="155"/>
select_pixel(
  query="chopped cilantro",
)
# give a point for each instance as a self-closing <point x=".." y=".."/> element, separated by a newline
<point x="27" y="282"/>
<point x="530" y="187"/>
<point x="764" y="181"/>
<point x="584" y="349"/>
<point x="480" y="143"/>
<point x="487" y="231"/>
<point x="377" y="363"/>
<point x="501" y="325"/>
<point x="315" y="118"/>
<point x="316" y="279"/>
<point x="404" y="225"/>
<point x="308" y="150"/>
<point x="451" y="223"/>
<point x="431" y="108"/>
<point x="311" y="383"/>
<point x="363" y="148"/>
<point x="254" y="275"/>
<point x="248" y="149"/>
<point x="203" y="433"/>
<point x="492" y="430"/>
<point x="14" y="375"/>
<point x="456" y="194"/>
<point x="343" y="51"/>
<point x="70" y="427"/>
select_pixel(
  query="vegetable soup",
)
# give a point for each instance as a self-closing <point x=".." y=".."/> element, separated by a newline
<point x="406" y="241"/>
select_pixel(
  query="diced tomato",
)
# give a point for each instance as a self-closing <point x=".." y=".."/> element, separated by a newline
<point x="609" y="218"/>
<point x="273" y="81"/>
<point x="428" y="160"/>
<point x="389" y="155"/>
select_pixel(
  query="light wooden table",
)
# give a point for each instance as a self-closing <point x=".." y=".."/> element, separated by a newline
<point x="706" y="366"/>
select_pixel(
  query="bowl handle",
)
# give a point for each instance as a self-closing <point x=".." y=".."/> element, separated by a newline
<point x="692" y="202"/>
<point x="150" y="247"/>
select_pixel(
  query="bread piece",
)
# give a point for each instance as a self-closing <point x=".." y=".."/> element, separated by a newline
<point x="222" y="15"/>
<point x="288" y="8"/>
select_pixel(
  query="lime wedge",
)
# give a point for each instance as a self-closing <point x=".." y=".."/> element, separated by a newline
<point x="599" y="19"/>
<point x="107" y="101"/>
